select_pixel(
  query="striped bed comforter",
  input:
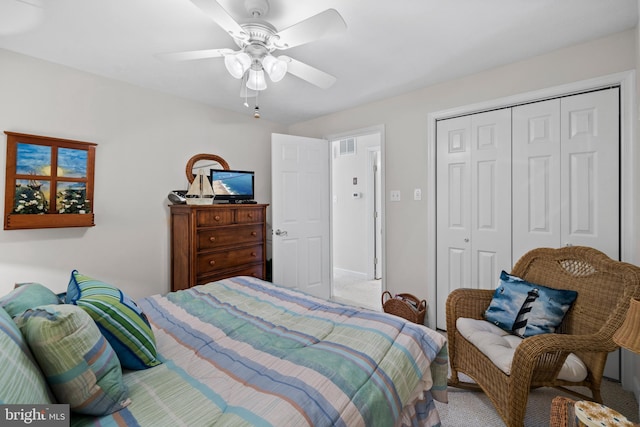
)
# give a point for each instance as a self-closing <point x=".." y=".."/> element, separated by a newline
<point x="244" y="352"/>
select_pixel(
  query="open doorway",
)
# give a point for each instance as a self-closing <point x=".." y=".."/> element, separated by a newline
<point x="357" y="217"/>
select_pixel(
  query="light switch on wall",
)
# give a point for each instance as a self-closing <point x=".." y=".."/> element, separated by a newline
<point x="395" y="195"/>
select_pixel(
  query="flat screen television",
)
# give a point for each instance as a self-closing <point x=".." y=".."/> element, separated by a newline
<point x="232" y="185"/>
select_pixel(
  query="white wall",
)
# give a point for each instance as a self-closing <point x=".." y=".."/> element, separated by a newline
<point x="144" y="141"/>
<point x="405" y="121"/>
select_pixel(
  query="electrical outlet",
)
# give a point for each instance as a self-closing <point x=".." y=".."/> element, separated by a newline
<point x="395" y="195"/>
<point x="417" y="194"/>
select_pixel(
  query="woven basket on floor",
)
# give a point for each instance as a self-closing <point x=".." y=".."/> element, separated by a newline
<point x="406" y="306"/>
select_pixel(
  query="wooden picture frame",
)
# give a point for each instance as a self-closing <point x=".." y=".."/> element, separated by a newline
<point x="191" y="163"/>
<point x="49" y="182"/>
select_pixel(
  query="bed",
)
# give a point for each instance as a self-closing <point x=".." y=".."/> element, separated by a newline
<point x="244" y="352"/>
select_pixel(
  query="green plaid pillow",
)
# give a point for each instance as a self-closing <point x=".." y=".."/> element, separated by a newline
<point x="20" y="376"/>
<point x="78" y="362"/>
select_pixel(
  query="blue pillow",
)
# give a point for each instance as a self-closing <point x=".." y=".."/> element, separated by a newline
<point x="119" y="319"/>
<point x="527" y="309"/>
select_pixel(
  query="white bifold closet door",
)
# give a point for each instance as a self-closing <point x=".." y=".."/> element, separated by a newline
<point x="566" y="173"/>
<point x="473" y="202"/>
<point x="546" y="177"/>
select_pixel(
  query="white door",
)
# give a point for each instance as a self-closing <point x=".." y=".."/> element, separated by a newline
<point x="590" y="187"/>
<point x="490" y="197"/>
<point x="473" y="203"/>
<point x="566" y="177"/>
<point x="536" y="176"/>
<point x="453" y="205"/>
<point x="300" y="213"/>
<point x="566" y="173"/>
<point x="377" y="214"/>
<point x="373" y="215"/>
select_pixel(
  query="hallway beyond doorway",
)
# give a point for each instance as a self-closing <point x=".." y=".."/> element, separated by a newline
<point x="350" y="289"/>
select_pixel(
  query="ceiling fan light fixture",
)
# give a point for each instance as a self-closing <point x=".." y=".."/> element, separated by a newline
<point x="237" y="64"/>
<point x="275" y="68"/>
<point x="256" y="80"/>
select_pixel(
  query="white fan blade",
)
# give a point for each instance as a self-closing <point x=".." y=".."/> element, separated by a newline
<point x="194" y="54"/>
<point x="310" y="29"/>
<point x="215" y="11"/>
<point x="308" y="73"/>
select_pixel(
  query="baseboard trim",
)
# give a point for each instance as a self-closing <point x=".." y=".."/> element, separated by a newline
<point x="350" y="273"/>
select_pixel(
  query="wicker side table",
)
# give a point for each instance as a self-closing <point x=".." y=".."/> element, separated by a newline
<point x="566" y="412"/>
<point x="562" y="412"/>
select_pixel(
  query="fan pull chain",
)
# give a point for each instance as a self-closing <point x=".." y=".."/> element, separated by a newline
<point x="256" y="110"/>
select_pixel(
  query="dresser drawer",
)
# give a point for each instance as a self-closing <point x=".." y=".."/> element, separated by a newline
<point x="255" y="270"/>
<point x="216" y="237"/>
<point x="244" y="216"/>
<point x="213" y="217"/>
<point x="226" y="259"/>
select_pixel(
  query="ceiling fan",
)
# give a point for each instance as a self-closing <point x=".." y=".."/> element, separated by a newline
<point x="258" y="39"/>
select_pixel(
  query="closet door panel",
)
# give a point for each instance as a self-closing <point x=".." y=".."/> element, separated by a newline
<point x="453" y="210"/>
<point x="490" y="197"/>
<point x="536" y="176"/>
<point x="590" y="188"/>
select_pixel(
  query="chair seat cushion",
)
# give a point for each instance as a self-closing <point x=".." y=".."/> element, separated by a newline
<point x="500" y="346"/>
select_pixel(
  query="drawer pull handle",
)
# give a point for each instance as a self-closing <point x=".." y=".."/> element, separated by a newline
<point x="250" y="215"/>
<point x="212" y="238"/>
<point x="254" y="234"/>
<point x="253" y="254"/>
<point x="217" y="217"/>
<point x="212" y="262"/>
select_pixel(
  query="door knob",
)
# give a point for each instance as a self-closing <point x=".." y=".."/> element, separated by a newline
<point x="282" y="233"/>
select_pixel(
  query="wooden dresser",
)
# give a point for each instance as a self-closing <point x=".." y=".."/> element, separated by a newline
<point x="212" y="242"/>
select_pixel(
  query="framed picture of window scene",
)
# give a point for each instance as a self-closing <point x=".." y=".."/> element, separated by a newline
<point x="49" y="182"/>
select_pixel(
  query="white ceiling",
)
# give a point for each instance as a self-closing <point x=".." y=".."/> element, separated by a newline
<point x="390" y="46"/>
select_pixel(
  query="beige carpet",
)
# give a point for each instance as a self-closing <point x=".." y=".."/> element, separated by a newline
<point x="468" y="408"/>
<point x="356" y="292"/>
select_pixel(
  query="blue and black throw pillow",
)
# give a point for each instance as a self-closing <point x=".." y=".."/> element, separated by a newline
<point x="527" y="309"/>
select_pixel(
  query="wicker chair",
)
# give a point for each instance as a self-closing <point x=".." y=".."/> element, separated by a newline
<point x="605" y="288"/>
